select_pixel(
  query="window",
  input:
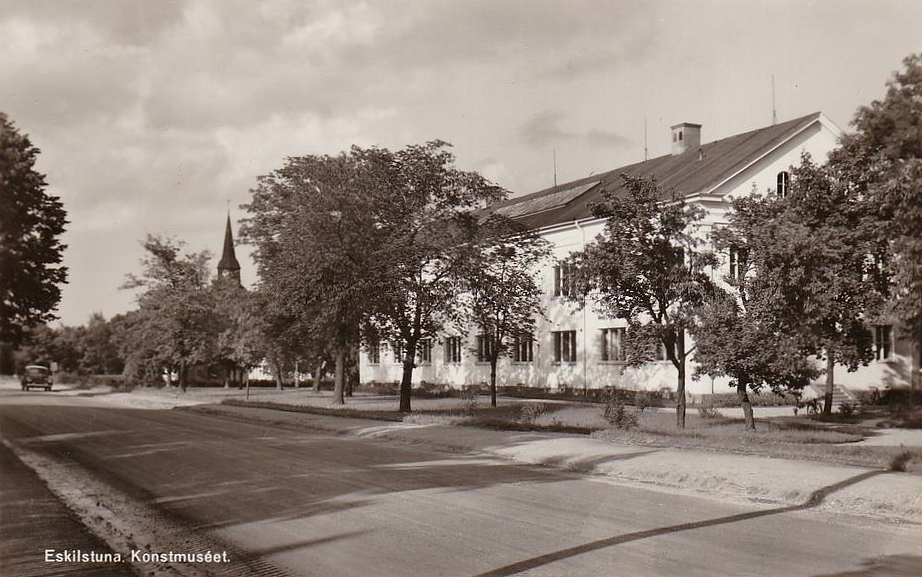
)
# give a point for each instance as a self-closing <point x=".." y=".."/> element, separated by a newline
<point x="784" y="184"/>
<point x="680" y="136"/>
<point x="738" y="258"/>
<point x="883" y="342"/>
<point x="374" y="352"/>
<point x="397" y="348"/>
<point x="523" y="350"/>
<point x="564" y="346"/>
<point x="452" y="349"/>
<point x="424" y="351"/>
<point x="484" y="349"/>
<point x="611" y="341"/>
<point x="563" y="279"/>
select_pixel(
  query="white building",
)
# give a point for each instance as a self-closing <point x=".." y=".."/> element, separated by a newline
<point x="576" y="348"/>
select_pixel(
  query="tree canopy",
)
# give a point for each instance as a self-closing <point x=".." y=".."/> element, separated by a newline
<point x="648" y="267"/>
<point x="31" y="224"/>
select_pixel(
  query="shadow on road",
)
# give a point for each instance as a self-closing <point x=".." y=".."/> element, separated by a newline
<point x="815" y="499"/>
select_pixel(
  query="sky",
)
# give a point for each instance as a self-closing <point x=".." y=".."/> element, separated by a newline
<point x="155" y="116"/>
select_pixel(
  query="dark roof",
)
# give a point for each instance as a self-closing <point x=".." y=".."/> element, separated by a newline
<point x="228" y="257"/>
<point x="688" y="173"/>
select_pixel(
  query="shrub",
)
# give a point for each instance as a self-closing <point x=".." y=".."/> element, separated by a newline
<point x="618" y="416"/>
<point x="531" y="411"/>
<point x="847" y="409"/>
<point x="641" y="400"/>
<point x="469" y="402"/>
<point x="899" y="461"/>
<point x="708" y="411"/>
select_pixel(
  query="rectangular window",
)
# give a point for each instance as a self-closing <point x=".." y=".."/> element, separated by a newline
<point x="738" y="264"/>
<point x="484" y="349"/>
<point x="424" y="351"/>
<point x="611" y="344"/>
<point x="452" y="349"/>
<point x="374" y="352"/>
<point x="883" y="342"/>
<point x="523" y="350"/>
<point x="397" y="348"/>
<point x="564" y="346"/>
<point x="563" y="279"/>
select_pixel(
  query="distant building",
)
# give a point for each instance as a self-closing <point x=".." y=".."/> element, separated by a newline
<point x="575" y="348"/>
<point x="228" y="266"/>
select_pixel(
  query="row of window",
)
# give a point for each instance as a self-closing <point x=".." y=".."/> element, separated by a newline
<point x="611" y="347"/>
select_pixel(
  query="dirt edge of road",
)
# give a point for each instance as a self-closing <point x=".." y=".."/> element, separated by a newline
<point x="893" y="498"/>
<point x="123" y="522"/>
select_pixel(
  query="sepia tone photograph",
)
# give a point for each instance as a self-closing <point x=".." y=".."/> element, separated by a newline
<point x="461" y="288"/>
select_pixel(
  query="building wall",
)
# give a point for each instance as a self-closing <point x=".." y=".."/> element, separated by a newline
<point x="589" y="370"/>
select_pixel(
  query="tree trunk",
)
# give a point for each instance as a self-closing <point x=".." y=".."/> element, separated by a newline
<point x="246" y="382"/>
<point x="830" y="382"/>
<point x="277" y="365"/>
<point x="493" y="362"/>
<point x="297" y="376"/>
<point x="338" y="376"/>
<point x="406" y="384"/>
<point x="680" y="381"/>
<point x="318" y="375"/>
<point x="182" y="376"/>
<point x="743" y="395"/>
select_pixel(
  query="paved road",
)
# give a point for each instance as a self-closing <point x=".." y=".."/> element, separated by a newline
<point x="312" y="504"/>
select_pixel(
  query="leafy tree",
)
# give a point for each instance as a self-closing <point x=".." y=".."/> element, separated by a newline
<point x="31" y="223"/>
<point x="425" y="214"/>
<point x="748" y="332"/>
<point x="100" y="349"/>
<point x="241" y="332"/>
<point x="502" y="293"/>
<point x="174" y="327"/>
<point x="881" y="162"/>
<point x="821" y="256"/>
<point x="312" y="223"/>
<point x="647" y="267"/>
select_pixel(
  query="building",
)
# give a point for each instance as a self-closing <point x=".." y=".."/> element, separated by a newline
<point x="228" y="266"/>
<point x="576" y="348"/>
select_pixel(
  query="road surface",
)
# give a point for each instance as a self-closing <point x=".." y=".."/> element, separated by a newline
<point x="298" y="503"/>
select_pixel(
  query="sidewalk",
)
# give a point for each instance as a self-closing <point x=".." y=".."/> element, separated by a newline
<point x="32" y="520"/>
<point x="894" y="497"/>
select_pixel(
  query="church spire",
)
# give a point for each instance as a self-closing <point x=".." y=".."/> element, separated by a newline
<point x="228" y="267"/>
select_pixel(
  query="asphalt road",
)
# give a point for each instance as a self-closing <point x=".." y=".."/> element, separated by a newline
<point x="313" y="504"/>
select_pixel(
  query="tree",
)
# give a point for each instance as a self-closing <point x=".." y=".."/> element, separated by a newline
<point x="821" y="255"/>
<point x="313" y="225"/>
<point x="881" y="162"/>
<point x="100" y="351"/>
<point x="241" y="336"/>
<point x="503" y="296"/>
<point x="648" y="268"/>
<point x="426" y="214"/>
<point x="748" y="332"/>
<point x="174" y="327"/>
<point x="31" y="223"/>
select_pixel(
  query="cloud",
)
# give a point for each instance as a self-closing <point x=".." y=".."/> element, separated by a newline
<point x="545" y="128"/>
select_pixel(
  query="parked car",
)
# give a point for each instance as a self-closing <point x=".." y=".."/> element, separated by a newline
<point x="36" y="376"/>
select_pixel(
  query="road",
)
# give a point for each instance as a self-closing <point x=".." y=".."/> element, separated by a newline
<point x="293" y="502"/>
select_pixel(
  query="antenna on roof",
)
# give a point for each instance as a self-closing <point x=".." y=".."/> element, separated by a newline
<point x="645" y="138"/>
<point x="774" y="113"/>
<point x="555" y="168"/>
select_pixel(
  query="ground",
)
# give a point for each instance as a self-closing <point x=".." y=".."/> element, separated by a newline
<point x="295" y="493"/>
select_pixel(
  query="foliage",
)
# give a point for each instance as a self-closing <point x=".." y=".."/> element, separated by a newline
<point x="31" y="224"/>
<point x="173" y="326"/>
<point x="531" y="411"/>
<point x="882" y="162"/>
<point x="618" y="416"/>
<point x="503" y="294"/>
<point x="708" y="411"/>
<point x="425" y="211"/>
<point x="648" y="267"/>
<point x="313" y="223"/>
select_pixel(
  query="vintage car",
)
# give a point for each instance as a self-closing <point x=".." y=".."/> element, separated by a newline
<point x="36" y="376"/>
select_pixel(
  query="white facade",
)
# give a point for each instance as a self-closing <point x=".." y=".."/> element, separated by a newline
<point x="760" y="172"/>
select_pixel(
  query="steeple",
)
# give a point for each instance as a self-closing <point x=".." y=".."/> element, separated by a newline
<point x="228" y="267"/>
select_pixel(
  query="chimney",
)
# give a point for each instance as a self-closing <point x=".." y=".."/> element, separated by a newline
<point x="685" y="136"/>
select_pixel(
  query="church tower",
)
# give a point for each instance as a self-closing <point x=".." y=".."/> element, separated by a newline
<point x="228" y="267"/>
